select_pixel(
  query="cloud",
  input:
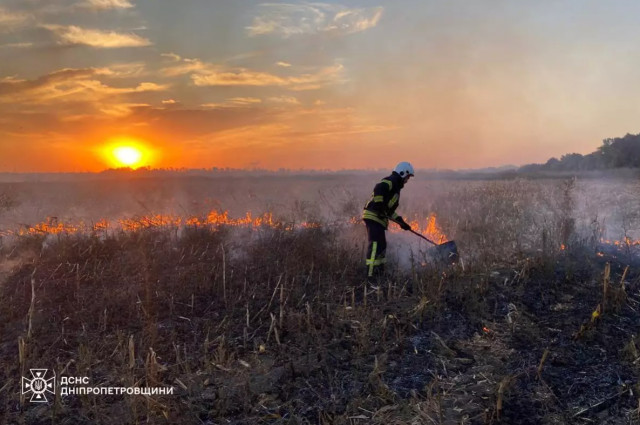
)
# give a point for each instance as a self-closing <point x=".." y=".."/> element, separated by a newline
<point x="16" y="45"/>
<point x="245" y="100"/>
<point x="123" y="70"/>
<point x="9" y="19"/>
<point x="247" y="77"/>
<point x="121" y="109"/>
<point x="289" y="20"/>
<point x="78" y="85"/>
<point x="234" y="102"/>
<point x="283" y="64"/>
<point x="96" y="38"/>
<point x="237" y="77"/>
<point x="107" y="4"/>
<point x="286" y="100"/>
<point x="205" y="74"/>
<point x="186" y="66"/>
<point x="169" y="102"/>
<point x="171" y="56"/>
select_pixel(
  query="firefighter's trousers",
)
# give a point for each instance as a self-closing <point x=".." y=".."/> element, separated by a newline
<point x="375" y="260"/>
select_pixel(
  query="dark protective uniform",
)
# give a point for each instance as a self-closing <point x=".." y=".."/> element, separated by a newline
<point x="380" y="208"/>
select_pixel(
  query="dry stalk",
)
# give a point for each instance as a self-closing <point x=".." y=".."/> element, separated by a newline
<point x="419" y="310"/>
<point x="32" y="306"/>
<point x="221" y="355"/>
<point x="308" y="315"/>
<point x="22" y="354"/>
<point x="365" y="296"/>
<point x="132" y="353"/>
<point x="624" y="276"/>
<point x="274" y="292"/>
<point x="273" y="328"/>
<point x="448" y="350"/>
<point x="504" y="384"/>
<point x="605" y="285"/>
<point x="151" y="368"/>
<point x="22" y="358"/>
<point x="541" y="365"/>
<point x="176" y="348"/>
<point x="77" y="267"/>
<point x="224" y="276"/>
<point x="206" y="345"/>
<point x="281" y="318"/>
<point x="621" y="293"/>
<point x="434" y="398"/>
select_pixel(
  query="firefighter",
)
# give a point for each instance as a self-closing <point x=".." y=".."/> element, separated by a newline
<point x="380" y="208"/>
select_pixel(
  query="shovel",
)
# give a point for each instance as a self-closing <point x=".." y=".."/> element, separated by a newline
<point x="447" y="251"/>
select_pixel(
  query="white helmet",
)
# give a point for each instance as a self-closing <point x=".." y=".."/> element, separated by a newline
<point x="404" y="169"/>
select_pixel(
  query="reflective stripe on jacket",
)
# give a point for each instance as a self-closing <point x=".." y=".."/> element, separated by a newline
<point x="384" y="200"/>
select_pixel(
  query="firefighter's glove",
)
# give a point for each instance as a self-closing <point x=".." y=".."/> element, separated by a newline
<point x="403" y="224"/>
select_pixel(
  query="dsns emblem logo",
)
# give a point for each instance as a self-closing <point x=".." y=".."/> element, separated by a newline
<point x="39" y="385"/>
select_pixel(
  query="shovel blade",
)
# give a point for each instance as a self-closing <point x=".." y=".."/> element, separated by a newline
<point x="448" y="252"/>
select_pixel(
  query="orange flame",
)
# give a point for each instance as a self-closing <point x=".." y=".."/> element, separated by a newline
<point x="626" y="241"/>
<point x="431" y="229"/>
<point x="215" y="218"/>
<point x="52" y="225"/>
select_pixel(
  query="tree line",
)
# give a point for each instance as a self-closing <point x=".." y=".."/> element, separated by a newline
<point x="619" y="152"/>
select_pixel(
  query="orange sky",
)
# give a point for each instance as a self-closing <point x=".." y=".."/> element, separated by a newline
<point x="354" y="84"/>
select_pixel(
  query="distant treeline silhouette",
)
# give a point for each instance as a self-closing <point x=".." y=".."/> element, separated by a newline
<point x="620" y="152"/>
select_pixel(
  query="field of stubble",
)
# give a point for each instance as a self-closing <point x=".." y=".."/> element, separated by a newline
<point x="266" y="318"/>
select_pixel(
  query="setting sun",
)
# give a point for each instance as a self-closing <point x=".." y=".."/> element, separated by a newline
<point x="128" y="156"/>
<point x="126" y="152"/>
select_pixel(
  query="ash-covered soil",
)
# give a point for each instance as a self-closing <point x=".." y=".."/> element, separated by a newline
<point x="539" y="341"/>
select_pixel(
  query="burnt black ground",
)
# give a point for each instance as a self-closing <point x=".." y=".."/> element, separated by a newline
<point x="462" y="347"/>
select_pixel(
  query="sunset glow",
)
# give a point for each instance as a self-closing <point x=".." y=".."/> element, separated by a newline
<point x="313" y="85"/>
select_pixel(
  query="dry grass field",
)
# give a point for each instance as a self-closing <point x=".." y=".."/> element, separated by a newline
<point x="247" y="296"/>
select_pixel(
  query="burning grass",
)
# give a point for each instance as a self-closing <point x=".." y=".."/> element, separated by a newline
<point x="264" y="319"/>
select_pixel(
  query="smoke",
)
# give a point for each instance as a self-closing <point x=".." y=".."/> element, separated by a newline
<point x="609" y="207"/>
<point x="489" y="220"/>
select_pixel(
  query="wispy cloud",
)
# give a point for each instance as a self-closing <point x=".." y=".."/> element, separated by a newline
<point x="234" y="102"/>
<point x="16" y="45"/>
<point x="247" y="77"/>
<point x="121" y="109"/>
<point x="288" y="20"/>
<point x="283" y="64"/>
<point x="78" y="85"/>
<point x="245" y="100"/>
<point x="237" y="77"/>
<point x="171" y="56"/>
<point x="124" y="70"/>
<point x="9" y="19"/>
<point x="284" y="100"/>
<point x="207" y="74"/>
<point x="96" y="38"/>
<point x="184" y="66"/>
<point x="107" y="4"/>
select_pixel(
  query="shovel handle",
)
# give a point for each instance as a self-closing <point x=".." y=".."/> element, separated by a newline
<point x="418" y="234"/>
<point x="426" y="239"/>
